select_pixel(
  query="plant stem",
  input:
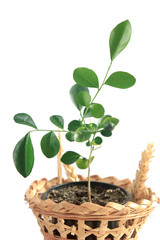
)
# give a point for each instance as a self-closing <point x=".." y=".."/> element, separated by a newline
<point x="97" y="148"/>
<point x="89" y="169"/>
<point x="102" y="83"/>
<point x="44" y="130"/>
<point x="91" y="142"/>
<point x="97" y="91"/>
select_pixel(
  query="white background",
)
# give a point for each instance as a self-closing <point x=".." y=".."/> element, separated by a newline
<point x="41" y="43"/>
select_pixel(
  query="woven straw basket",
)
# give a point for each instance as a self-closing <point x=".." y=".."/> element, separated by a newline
<point x="68" y="221"/>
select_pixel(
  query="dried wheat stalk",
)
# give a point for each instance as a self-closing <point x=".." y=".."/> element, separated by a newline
<point x="139" y="190"/>
<point x="71" y="173"/>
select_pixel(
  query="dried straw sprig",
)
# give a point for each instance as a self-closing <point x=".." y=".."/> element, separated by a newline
<point x="71" y="173"/>
<point x="139" y="190"/>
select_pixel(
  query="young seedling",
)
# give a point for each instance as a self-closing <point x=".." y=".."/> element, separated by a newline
<point x="79" y="130"/>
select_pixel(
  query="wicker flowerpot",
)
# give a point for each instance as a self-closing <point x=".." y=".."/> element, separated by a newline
<point x="104" y="185"/>
<point x="68" y="221"/>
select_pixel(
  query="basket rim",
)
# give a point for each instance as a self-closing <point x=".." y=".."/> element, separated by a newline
<point x="87" y="210"/>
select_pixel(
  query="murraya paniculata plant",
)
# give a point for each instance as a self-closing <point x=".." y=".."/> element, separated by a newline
<point x="82" y="129"/>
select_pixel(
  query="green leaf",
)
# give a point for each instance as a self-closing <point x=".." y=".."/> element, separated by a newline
<point x="70" y="136"/>
<point x="57" y="120"/>
<point x="82" y="134"/>
<point x="69" y="157"/>
<point x="75" y="90"/>
<point x="74" y="125"/>
<point x="88" y="114"/>
<point x="109" y="126"/>
<point x="106" y="133"/>
<point x="86" y="77"/>
<point x="25" y="119"/>
<point x="88" y="144"/>
<point x="98" y="140"/>
<point x="107" y="119"/>
<point x="97" y="110"/>
<point x="92" y="158"/>
<point x="50" y="145"/>
<point x="119" y="38"/>
<point x="23" y="156"/>
<point x="82" y="163"/>
<point x="121" y="80"/>
<point x="84" y="98"/>
<point x="112" y="120"/>
<point x="100" y="122"/>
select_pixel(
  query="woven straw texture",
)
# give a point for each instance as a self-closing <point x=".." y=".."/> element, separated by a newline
<point x="90" y="221"/>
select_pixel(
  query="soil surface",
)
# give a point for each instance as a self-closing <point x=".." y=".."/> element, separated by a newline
<point x="79" y="195"/>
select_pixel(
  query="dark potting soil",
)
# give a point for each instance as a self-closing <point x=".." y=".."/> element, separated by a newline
<point x="79" y="195"/>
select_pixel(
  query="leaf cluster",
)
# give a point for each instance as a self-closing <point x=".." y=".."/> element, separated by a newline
<point x="79" y="130"/>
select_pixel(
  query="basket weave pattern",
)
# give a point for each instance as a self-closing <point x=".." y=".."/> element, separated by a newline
<point x="53" y="218"/>
<point x="90" y="221"/>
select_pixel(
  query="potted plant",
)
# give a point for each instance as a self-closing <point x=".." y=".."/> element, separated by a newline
<point x="86" y="214"/>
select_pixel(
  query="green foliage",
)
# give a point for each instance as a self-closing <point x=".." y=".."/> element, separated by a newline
<point x="119" y="38"/>
<point x="84" y="98"/>
<point x="100" y="122"/>
<point x="57" y="120"/>
<point x="98" y="141"/>
<point x="25" y="119"/>
<point x="121" y="80"/>
<point x="87" y="113"/>
<point x="88" y="144"/>
<point x="86" y="77"/>
<point x="70" y="136"/>
<point x="106" y="133"/>
<point x="82" y="163"/>
<point x="79" y="130"/>
<point x="109" y="126"/>
<point x="112" y="120"/>
<point x="107" y="119"/>
<point x="50" y="145"/>
<point x="70" y="157"/>
<point x="108" y="123"/>
<point x="23" y="156"/>
<point x="82" y="134"/>
<point x="74" y="125"/>
<point x="97" y="110"/>
<point x="75" y="90"/>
